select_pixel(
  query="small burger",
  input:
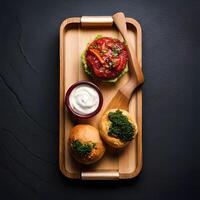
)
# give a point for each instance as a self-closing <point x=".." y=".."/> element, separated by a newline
<point x="85" y="144"/>
<point x="117" y="128"/>
<point x="105" y="59"/>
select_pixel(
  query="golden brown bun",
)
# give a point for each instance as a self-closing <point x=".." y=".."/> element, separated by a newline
<point x="104" y="128"/>
<point x="86" y="134"/>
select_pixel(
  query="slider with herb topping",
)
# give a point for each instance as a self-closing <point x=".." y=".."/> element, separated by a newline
<point x="117" y="128"/>
<point x="85" y="144"/>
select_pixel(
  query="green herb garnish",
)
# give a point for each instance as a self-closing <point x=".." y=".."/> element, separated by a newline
<point x="111" y="65"/>
<point x="120" y="126"/>
<point x="82" y="149"/>
<point x="95" y="46"/>
<point x="116" y="51"/>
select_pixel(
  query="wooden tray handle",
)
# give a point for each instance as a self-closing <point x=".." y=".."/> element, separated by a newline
<point x="100" y="175"/>
<point x="96" y="21"/>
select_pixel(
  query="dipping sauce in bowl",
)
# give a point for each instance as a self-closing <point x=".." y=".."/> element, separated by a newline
<point x="83" y="99"/>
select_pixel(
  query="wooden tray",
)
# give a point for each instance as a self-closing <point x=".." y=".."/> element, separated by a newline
<point x="75" y="34"/>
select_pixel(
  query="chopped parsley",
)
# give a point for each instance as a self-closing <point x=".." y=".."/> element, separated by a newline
<point x="111" y="65"/>
<point x="82" y="149"/>
<point x="120" y="126"/>
<point x="95" y="46"/>
<point x="116" y="51"/>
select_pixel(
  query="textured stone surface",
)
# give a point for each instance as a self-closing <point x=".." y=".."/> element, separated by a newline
<point x="29" y="75"/>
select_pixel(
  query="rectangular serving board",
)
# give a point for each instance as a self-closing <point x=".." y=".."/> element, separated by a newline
<point x="75" y="34"/>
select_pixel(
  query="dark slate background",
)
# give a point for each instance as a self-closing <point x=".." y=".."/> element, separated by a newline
<point x="29" y="75"/>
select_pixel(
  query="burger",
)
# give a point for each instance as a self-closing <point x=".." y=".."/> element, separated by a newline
<point x="105" y="59"/>
<point x="85" y="144"/>
<point x="117" y="128"/>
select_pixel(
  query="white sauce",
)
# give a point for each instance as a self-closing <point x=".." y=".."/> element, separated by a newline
<point x="84" y="99"/>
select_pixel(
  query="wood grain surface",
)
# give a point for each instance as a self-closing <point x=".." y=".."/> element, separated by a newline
<point x="74" y="38"/>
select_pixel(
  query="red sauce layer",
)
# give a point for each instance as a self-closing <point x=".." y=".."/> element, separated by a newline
<point x="106" y="57"/>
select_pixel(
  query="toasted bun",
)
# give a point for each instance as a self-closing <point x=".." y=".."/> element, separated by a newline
<point x="86" y="134"/>
<point x="104" y="126"/>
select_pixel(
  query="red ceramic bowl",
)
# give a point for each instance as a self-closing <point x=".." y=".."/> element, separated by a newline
<point x="72" y="111"/>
